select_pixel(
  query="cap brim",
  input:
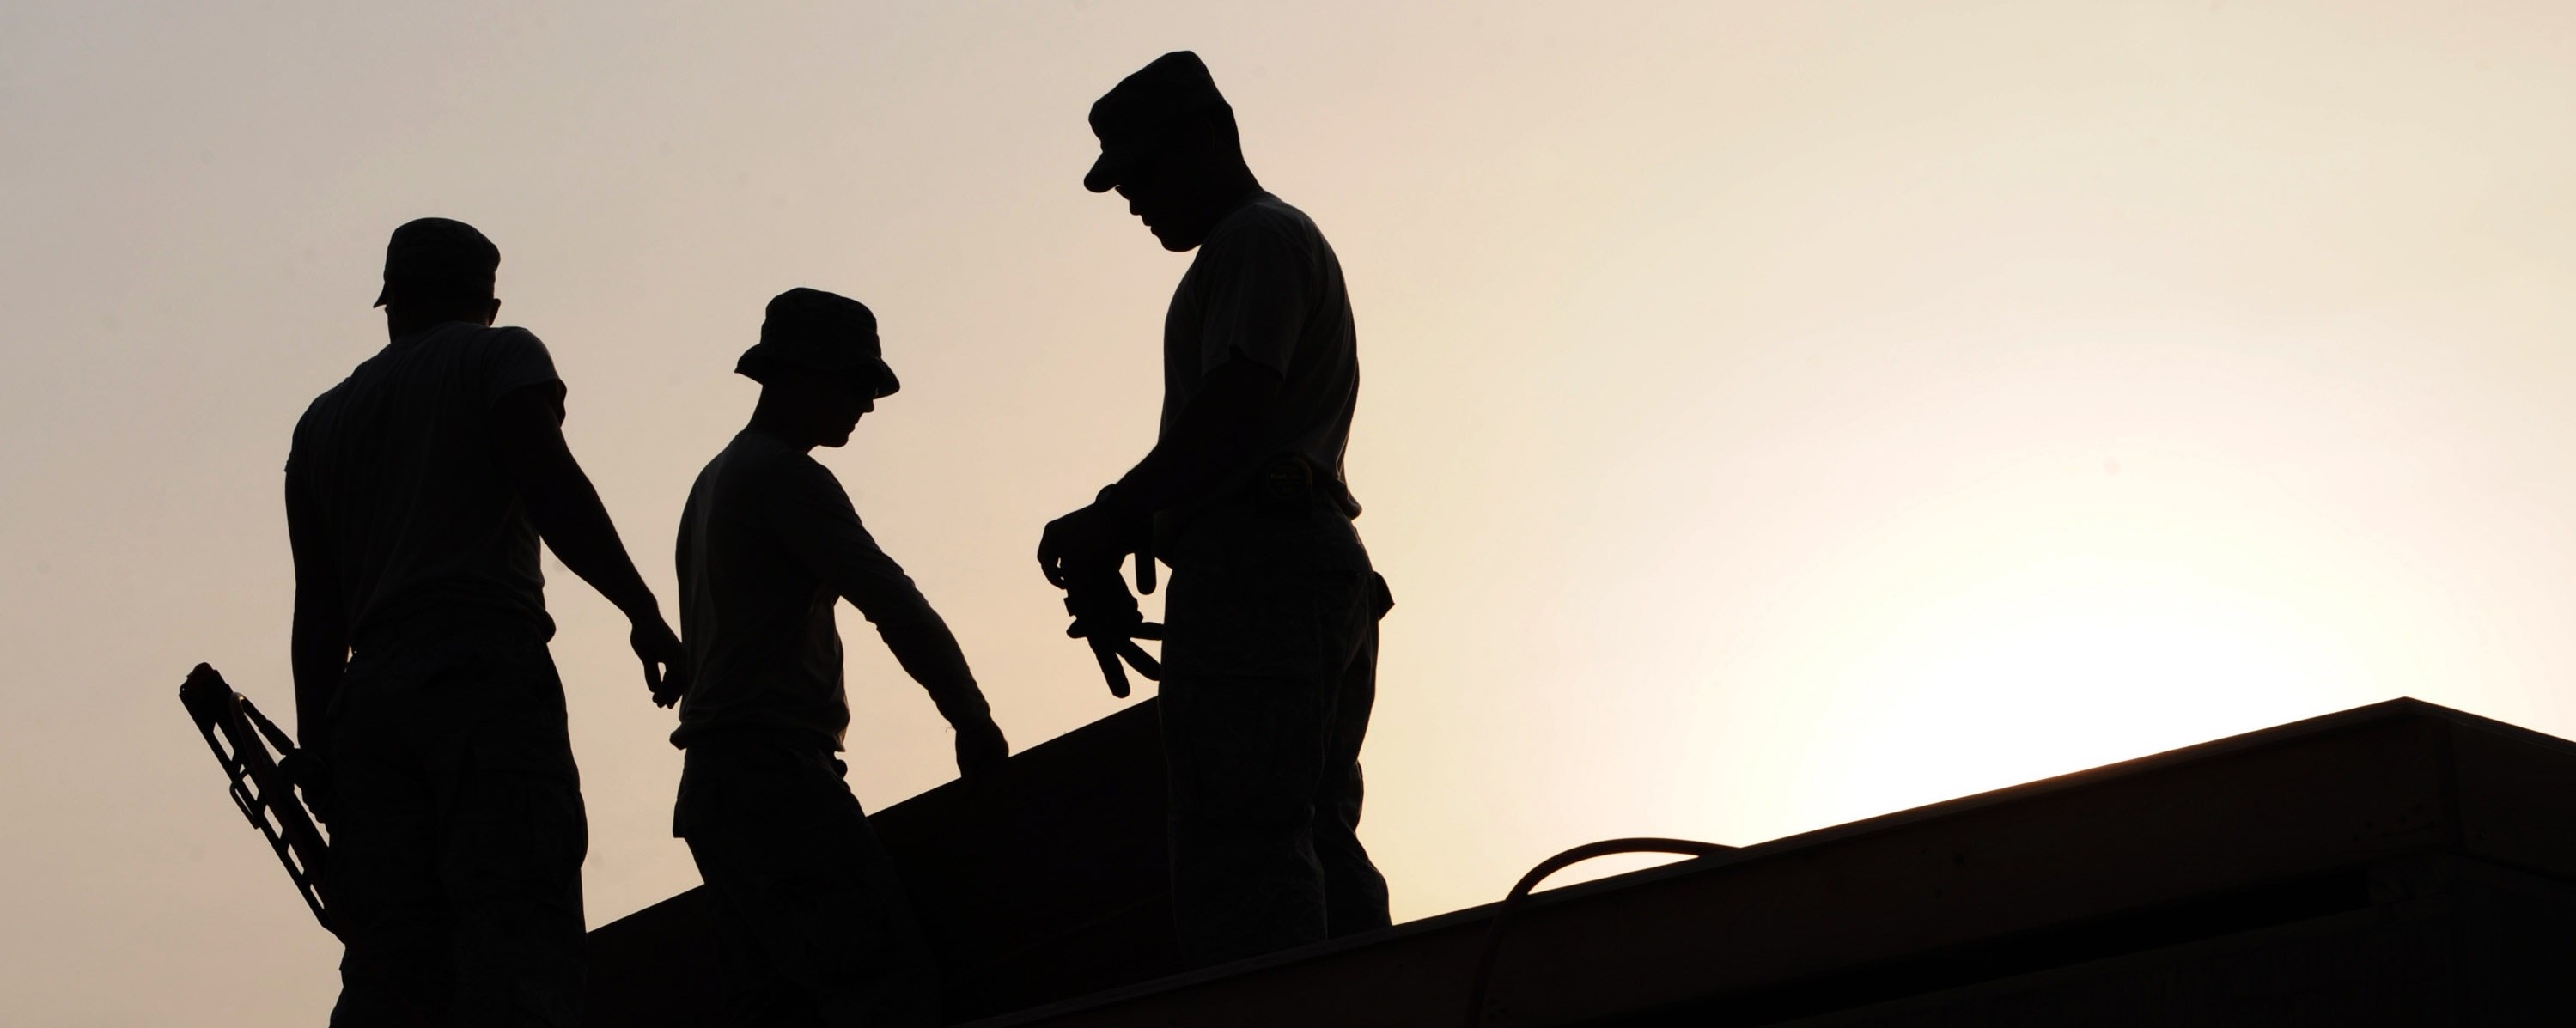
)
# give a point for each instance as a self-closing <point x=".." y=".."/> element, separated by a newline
<point x="1106" y="171"/>
<point x="880" y="379"/>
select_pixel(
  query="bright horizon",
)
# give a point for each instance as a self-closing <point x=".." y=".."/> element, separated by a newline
<point x="1772" y="415"/>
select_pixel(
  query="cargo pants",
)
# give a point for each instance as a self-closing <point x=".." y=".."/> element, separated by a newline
<point x="1270" y="670"/>
<point x="457" y="836"/>
<point x="814" y="924"/>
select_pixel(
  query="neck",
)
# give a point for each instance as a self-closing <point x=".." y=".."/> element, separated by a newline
<point x="403" y="323"/>
<point x="766" y="418"/>
<point x="1234" y="187"/>
<point x="1222" y="193"/>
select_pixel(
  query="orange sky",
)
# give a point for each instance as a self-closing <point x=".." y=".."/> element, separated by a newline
<point x="1775" y="414"/>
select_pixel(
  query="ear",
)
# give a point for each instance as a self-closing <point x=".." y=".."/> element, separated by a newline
<point x="492" y="314"/>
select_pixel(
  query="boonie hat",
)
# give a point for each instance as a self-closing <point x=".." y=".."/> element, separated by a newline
<point x="438" y="257"/>
<point x="814" y="330"/>
<point x="1135" y="116"/>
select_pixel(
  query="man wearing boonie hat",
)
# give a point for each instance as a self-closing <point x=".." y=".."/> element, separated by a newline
<point x="1270" y="636"/>
<point x="815" y="926"/>
<point x="435" y="744"/>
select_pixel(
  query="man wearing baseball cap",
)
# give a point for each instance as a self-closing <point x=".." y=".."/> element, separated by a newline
<point x="815" y="926"/>
<point x="435" y="745"/>
<point x="1270" y="641"/>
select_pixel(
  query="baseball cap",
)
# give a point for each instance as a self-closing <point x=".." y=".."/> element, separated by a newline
<point x="814" y="330"/>
<point x="438" y="258"/>
<point x="1135" y="116"/>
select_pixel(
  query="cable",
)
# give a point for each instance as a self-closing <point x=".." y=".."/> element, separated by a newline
<point x="1552" y="865"/>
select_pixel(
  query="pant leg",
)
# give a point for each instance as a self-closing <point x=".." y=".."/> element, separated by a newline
<point x="815" y="919"/>
<point x="515" y="835"/>
<point x="1245" y="754"/>
<point x="1355" y="897"/>
<point x="459" y="840"/>
<point x="381" y="877"/>
<point x="1261" y="633"/>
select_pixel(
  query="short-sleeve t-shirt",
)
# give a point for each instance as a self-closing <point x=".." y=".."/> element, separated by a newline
<point x="395" y="468"/>
<point x="1267" y="288"/>
<point x="768" y="543"/>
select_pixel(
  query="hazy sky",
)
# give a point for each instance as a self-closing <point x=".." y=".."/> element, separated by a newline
<point x="1774" y="414"/>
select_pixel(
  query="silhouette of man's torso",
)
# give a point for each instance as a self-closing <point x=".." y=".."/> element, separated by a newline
<point x="768" y="544"/>
<point x="395" y="466"/>
<point x="1266" y="287"/>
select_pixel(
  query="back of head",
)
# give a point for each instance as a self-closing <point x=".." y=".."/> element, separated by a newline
<point x="438" y="266"/>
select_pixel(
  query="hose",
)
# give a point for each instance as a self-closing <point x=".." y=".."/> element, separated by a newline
<point x="1520" y="893"/>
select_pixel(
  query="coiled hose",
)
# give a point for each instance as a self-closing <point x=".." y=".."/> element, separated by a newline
<point x="1520" y="894"/>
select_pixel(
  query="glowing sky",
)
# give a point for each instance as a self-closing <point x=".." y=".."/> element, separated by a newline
<point x="1775" y="414"/>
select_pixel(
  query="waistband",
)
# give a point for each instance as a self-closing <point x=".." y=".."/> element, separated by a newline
<point x="447" y="627"/>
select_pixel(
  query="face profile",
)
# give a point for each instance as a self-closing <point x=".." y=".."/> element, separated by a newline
<point x="834" y="404"/>
<point x="1148" y="188"/>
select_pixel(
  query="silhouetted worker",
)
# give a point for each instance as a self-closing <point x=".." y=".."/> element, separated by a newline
<point x="816" y="928"/>
<point x="1270" y="651"/>
<point x="416" y="493"/>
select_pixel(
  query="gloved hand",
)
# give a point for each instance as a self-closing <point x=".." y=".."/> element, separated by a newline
<point x="1105" y="614"/>
<point x="312" y="778"/>
<point x="1105" y="531"/>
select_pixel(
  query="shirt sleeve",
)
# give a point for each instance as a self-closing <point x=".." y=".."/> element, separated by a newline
<point x="811" y="517"/>
<point x="1260" y="289"/>
<point x="515" y="360"/>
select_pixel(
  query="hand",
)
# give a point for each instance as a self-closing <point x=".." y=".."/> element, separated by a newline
<point x="1084" y="537"/>
<point x="1105" y="615"/>
<point x="312" y="778"/>
<point x="666" y="663"/>
<point x="981" y="750"/>
<point x="1104" y="532"/>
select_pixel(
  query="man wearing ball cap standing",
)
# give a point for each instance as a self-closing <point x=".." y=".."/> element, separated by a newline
<point x="815" y="927"/>
<point x="435" y="744"/>
<point x="1270" y="635"/>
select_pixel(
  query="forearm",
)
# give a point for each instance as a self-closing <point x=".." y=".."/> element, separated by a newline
<point x="577" y="528"/>
<point x="929" y="653"/>
<point x="528" y="431"/>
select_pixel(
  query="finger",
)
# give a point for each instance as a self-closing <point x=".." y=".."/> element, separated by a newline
<point x="1144" y="573"/>
<point x="1110" y="670"/>
<point x="1147" y="630"/>
<point x="1144" y="662"/>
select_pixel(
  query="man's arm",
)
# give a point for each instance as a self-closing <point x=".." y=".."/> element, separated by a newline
<point x="318" y="650"/>
<point x="1213" y="436"/>
<point x="820" y="528"/>
<point x="527" y="432"/>
<point x="1260" y="287"/>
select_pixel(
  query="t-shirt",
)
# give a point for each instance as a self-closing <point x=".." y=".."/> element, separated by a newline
<point x="767" y="543"/>
<point x="395" y="468"/>
<point x="1266" y="288"/>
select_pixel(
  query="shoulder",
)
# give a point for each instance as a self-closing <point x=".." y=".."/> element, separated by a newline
<point x="1266" y="220"/>
<point x="1265" y="234"/>
<point x="317" y="417"/>
<point x="507" y="359"/>
<point x="325" y="408"/>
<point x="508" y="341"/>
<point x="756" y="463"/>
